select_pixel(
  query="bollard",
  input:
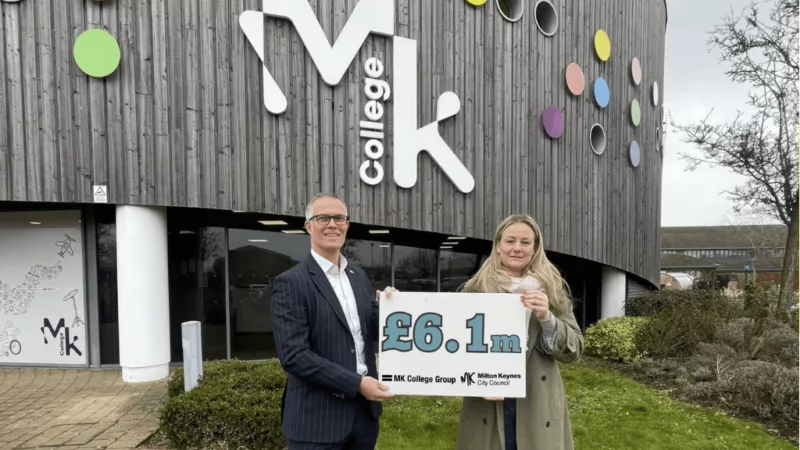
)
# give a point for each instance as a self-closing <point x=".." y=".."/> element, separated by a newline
<point x="192" y="354"/>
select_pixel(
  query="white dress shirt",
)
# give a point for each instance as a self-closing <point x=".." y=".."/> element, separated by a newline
<point x="344" y="292"/>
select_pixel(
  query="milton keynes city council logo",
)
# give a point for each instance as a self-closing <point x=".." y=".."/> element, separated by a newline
<point x="468" y="378"/>
<point x="368" y="17"/>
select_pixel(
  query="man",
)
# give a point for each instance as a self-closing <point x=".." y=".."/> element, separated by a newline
<point x="325" y="320"/>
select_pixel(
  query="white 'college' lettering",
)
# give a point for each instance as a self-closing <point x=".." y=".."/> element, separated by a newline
<point x="377" y="91"/>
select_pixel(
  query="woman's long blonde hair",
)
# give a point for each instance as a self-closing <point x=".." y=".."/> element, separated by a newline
<point x="492" y="277"/>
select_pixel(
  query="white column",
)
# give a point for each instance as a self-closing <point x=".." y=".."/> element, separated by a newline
<point x="143" y="292"/>
<point x="612" y="293"/>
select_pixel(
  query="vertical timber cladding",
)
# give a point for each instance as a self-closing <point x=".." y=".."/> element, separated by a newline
<point x="183" y="120"/>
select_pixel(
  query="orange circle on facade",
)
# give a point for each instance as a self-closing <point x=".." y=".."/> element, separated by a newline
<point x="575" y="80"/>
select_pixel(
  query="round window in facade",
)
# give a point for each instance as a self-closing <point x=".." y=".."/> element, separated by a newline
<point x="511" y="10"/>
<point x="598" y="139"/>
<point x="546" y="17"/>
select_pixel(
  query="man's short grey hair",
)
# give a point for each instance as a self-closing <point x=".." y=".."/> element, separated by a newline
<point x="309" y="208"/>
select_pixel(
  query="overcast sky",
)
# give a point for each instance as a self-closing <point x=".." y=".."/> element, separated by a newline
<point x="695" y="82"/>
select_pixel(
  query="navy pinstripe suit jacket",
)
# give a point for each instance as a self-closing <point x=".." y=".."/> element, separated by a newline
<point x="317" y="351"/>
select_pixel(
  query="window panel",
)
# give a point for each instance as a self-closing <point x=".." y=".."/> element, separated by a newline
<point x="256" y="258"/>
<point x="415" y="269"/>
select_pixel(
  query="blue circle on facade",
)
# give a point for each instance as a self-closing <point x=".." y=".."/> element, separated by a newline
<point x="601" y="93"/>
<point x="452" y="346"/>
<point x="635" y="155"/>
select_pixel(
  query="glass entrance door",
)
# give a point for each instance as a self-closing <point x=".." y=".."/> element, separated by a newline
<point x="197" y="287"/>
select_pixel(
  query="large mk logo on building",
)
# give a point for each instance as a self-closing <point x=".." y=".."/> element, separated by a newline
<point x="332" y="61"/>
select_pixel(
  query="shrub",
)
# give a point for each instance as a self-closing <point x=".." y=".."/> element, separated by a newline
<point x="680" y="319"/>
<point x="779" y="344"/>
<point x="741" y="336"/>
<point x="703" y="374"/>
<point x="707" y="391"/>
<point x="757" y="388"/>
<point x="236" y="404"/>
<point x="239" y="375"/>
<point x="760" y="390"/>
<point x="718" y="359"/>
<point x="772" y="341"/>
<point x="759" y="303"/>
<point x="766" y="389"/>
<point x="615" y="338"/>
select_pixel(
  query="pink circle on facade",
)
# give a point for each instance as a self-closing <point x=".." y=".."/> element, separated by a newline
<point x="553" y="121"/>
<point x="636" y="71"/>
<point x="575" y="80"/>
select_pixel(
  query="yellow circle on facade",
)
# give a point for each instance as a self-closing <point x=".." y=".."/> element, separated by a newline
<point x="476" y="2"/>
<point x="602" y="45"/>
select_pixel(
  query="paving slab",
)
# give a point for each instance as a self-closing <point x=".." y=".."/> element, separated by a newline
<point x="64" y="409"/>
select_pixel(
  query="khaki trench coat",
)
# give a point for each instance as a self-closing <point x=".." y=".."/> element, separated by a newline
<point x="542" y="416"/>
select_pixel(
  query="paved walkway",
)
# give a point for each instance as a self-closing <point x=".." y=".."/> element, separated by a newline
<point x="76" y="409"/>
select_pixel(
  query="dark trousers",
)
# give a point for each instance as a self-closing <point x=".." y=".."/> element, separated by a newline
<point x="510" y="422"/>
<point x="363" y="435"/>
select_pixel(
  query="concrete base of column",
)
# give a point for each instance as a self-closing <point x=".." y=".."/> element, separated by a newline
<point x="145" y="374"/>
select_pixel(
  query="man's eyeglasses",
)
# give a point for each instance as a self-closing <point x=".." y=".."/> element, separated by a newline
<point x="324" y="219"/>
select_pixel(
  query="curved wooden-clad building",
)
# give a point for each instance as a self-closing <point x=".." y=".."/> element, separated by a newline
<point x="232" y="111"/>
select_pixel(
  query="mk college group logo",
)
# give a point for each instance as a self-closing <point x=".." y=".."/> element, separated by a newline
<point x="332" y="61"/>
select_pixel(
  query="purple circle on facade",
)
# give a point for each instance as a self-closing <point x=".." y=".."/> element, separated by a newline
<point x="553" y="121"/>
<point x="635" y="156"/>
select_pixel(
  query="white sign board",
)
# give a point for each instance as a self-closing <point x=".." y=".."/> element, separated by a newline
<point x="42" y="307"/>
<point x="100" y="193"/>
<point x="453" y="344"/>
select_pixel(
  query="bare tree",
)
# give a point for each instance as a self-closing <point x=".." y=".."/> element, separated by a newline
<point x="763" y="146"/>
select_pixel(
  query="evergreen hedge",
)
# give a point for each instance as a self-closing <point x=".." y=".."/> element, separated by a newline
<point x="236" y="404"/>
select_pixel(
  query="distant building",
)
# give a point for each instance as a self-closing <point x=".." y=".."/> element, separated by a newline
<point x="724" y="254"/>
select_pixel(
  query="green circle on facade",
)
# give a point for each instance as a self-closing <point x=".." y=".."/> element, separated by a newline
<point x="96" y="52"/>
<point x="636" y="113"/>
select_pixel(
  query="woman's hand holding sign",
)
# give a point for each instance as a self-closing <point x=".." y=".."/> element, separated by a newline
<point x="538" y="302"/>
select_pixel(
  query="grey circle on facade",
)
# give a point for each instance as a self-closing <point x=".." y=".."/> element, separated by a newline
<point x="597" y="138"/>
<point x="10" y="1"/>
<point x="658" y="138"/>
<point x="511" y="10"/>
<point x="655" y="93"/>
<point x="544" y="13"/>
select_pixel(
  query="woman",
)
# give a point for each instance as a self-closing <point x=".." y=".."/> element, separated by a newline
<point x="540" y="421"/>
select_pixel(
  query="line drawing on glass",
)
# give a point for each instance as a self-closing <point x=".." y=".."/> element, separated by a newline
<point x="13" y="346"/>
<point x="66" y="246"/>
<point x="71" y="296"/>
<point x="16" y="300"/>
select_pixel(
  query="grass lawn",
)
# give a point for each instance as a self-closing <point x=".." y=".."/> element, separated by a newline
<point x="608" y="411"/>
